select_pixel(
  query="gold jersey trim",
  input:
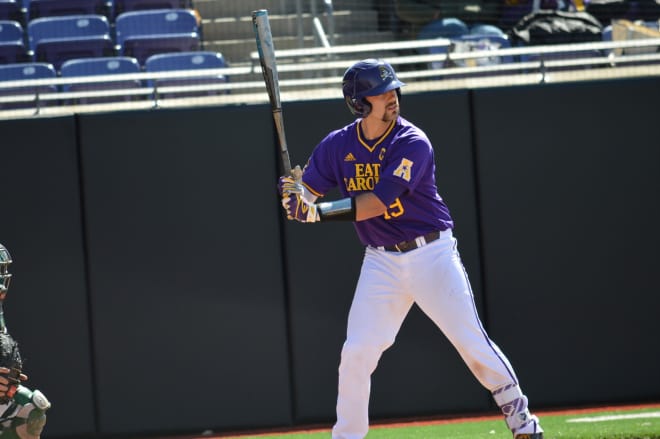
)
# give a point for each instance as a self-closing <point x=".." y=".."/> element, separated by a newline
<point x="380" y="140"/>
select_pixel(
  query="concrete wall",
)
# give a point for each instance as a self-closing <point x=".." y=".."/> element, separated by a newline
<point x="158" y="289"/>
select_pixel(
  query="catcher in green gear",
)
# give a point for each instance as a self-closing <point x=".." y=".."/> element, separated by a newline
<point x="22" y="411"/>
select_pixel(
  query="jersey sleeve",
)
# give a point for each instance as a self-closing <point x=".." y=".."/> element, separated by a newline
<point x="406" y="166"/>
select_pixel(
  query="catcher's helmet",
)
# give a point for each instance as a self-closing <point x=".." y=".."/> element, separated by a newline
<point x="369" y="77"/>
<point x="5" y="276"/>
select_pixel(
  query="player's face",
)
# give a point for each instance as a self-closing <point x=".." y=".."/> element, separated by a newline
<point x="385" y="106"/>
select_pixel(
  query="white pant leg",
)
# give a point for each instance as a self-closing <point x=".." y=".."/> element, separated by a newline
<point x="379" y="307"/>
<point x="443" y="292"/>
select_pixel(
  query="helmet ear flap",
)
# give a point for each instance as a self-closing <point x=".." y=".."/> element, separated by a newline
<point x="351" y="103"/>
<point x="365" y="107"/>
<point x="360" y="107"/>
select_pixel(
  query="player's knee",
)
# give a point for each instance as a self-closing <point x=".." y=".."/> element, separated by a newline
<point x="360" y="356"/>
<point x="31" y="417"/>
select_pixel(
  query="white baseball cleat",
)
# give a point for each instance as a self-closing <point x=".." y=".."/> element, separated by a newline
<point x="531" y="430"/>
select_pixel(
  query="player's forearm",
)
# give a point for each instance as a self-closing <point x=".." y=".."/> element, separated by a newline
<point x="367" y="206"/>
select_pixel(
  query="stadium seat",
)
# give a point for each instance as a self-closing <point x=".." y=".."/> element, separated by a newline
<point x="11" y="30"/>
<point x="26" y="71"/>
<point x="86" y="67"/>
<point x="141" y="34"/>
<point x="13" y="53"/>
<point x="477" y="42"/>
<point x="121" y="6"/>
<point x="472" y="43"/>
<point x="50" y="8"/>
<point x="11" y="10"/>
<point x="57" y="39"/>
<point x="12" y="43"/>
<point x="187" y="61"/>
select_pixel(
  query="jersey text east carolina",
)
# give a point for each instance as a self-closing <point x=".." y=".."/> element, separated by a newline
<point x="398" y="167"/>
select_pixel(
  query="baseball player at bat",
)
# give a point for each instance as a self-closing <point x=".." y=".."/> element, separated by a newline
<point x="22" y="411"/>
<point x="384" y="168"/>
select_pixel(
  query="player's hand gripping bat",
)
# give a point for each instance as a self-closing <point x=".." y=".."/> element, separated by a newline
<point x="269" y="69"/>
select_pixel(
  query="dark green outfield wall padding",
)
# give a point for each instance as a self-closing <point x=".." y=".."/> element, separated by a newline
<point x="570" y="182"/>
<point x="185" y="270"/>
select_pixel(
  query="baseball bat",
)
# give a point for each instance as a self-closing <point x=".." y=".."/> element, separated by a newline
<point x="269" y="69"/>
<point x="5" y="277"/>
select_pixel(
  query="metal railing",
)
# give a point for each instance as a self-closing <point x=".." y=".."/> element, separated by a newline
<point x="418" y="70"/>
<point x="319" y="33"/>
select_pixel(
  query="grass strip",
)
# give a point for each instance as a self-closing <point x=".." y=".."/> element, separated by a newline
<point x="619" y="425"/>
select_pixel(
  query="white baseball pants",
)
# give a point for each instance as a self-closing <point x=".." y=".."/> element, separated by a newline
<point x="433" y="277"/>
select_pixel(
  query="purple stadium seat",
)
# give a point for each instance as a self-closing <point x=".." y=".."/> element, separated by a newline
<point x="26" y="71"/>
<point x="100" y="66"/>
<point x="141" y="34"/>
<point x="183" y="61"/>
<point x="57" y="39"/>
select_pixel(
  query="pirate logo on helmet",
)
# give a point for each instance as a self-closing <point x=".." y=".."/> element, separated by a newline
<point x="385" y="73"/>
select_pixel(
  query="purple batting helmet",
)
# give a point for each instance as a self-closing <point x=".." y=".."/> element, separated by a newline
<point x="369" y="77"/>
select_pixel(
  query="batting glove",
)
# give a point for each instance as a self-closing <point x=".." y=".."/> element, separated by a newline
<point x="288" y="185"/>
<point x="299" y="209"/>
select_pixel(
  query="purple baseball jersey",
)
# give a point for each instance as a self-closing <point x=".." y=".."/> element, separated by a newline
<point x="398" y="167"/>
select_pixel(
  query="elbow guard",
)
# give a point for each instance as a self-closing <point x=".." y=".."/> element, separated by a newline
<point x="340" y="210"/>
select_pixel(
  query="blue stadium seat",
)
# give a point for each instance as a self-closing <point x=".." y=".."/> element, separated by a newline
<point x="57" y="39"/>
<point x="13" y="52"/>
<point x="51" y="8"/>
<point x="141" y="34"/>
<point x="113" y="65"/>
<point x="183" y="61"/>
<point x="11" y="30"/>
<point x="11" y="10"/>
<point x="12" y="43"/>
<point x="26" y="71"/>
<point x="121" y="6"/>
